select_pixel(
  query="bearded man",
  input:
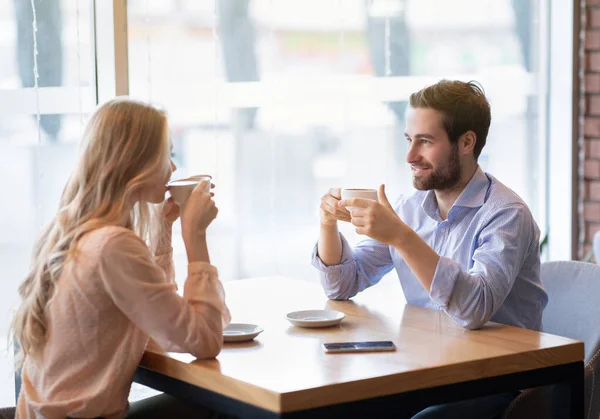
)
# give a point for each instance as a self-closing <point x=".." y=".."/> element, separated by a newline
<point x="463" y="243"/>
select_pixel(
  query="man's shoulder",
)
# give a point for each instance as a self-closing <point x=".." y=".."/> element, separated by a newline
<point x="505" y="205"/>
<point x="501" y="196"/>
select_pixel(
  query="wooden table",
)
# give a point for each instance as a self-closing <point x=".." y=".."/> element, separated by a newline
<point x="285" y="373"/>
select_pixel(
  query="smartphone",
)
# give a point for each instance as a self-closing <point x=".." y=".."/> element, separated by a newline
<point x="367" y="346"/>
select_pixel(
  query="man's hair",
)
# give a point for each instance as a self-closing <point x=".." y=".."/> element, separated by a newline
<point x="463" y="106"/>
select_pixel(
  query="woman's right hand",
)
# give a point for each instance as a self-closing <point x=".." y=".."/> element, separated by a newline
<point x="330" y="212"/>
<point x="199" y="211"/>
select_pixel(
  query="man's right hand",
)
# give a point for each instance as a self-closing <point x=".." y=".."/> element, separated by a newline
<point x="330" y="212"/>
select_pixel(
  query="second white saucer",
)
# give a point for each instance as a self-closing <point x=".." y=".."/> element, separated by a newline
<point x="315" y="318"/>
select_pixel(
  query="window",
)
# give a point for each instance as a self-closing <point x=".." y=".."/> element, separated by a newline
<point x="279" y="100"/>
<point x="35" y="160"/>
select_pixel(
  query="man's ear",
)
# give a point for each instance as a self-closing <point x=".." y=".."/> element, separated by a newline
<point x="467" y="142"/>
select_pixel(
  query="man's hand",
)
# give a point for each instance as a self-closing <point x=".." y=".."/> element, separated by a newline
<point x="376" y="219"/>
<point x="330" y="212"/>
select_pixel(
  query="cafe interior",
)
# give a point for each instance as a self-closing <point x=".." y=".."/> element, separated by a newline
<point x="279" y="101"/>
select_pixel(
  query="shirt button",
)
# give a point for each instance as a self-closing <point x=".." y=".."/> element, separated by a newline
<point x="443" y="230"/>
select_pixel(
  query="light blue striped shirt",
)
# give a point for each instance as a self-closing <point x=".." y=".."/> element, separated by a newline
<point x="489" y="267"/>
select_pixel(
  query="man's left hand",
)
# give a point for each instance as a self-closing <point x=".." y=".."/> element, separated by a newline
<point x="376" y="219"/>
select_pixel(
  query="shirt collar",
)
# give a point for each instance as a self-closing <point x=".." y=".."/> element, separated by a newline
<point x="473" y="196"/>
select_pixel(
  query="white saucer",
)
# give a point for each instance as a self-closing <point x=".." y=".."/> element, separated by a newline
<point x="315" y="318"/>
<point x="240" y="332"/>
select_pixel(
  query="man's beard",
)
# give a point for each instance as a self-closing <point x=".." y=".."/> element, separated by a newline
<point x="442" y="178"/>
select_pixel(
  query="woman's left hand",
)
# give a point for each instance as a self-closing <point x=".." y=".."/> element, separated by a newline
<point x="170" y="211"/>
<point x="167" y="213"/>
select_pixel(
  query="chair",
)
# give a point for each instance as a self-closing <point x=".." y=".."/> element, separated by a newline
<point x="573" y="311"/>
<point x="7" y="413"/>
<point x="16" y="349"/>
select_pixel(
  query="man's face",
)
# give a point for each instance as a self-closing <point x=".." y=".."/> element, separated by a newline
<point x="434" y="161"/>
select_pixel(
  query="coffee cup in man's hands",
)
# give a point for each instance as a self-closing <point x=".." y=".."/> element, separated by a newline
<point x="358" y="193"/>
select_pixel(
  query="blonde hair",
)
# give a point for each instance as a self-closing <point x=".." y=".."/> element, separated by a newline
<point x="124" y="145"/>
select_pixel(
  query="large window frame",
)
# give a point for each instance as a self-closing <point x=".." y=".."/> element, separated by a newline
<point x="560" y="22"/>
<point x="561" y="25"/>
<point x="563" y="99"/>
<point x="110" y="51"/>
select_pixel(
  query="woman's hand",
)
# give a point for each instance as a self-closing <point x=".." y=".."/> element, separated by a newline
<point x="199" y="211"/>
<point x="170" y="211"/>
<point x="167" y="213"/>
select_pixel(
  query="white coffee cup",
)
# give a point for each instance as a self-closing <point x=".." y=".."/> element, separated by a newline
<point x="359" y="193"/>
<point x="181" y="189"/>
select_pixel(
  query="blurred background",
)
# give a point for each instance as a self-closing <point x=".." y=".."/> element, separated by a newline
<point x="277" y="100"/>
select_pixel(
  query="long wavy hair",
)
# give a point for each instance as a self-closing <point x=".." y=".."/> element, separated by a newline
<point x="124" y="145"/>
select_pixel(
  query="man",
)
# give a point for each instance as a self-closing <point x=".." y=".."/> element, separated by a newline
<point x="463" y="242"/>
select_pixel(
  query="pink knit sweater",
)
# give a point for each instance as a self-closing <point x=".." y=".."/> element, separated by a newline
<point x="112" y="296"/>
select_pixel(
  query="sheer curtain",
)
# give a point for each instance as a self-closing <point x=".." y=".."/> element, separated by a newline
<point x="47" y="88"/>
<point x="279" y="100"/>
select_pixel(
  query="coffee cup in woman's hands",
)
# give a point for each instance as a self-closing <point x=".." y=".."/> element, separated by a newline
<point x="181" y="189"/>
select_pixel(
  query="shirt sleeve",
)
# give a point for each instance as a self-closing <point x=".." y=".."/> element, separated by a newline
<point x="470" y="298"/>
<point x="162" y="250"/>
<point x="165" y="262"/>
<point x="359" y="268"/>
<point x="138" y="286"/>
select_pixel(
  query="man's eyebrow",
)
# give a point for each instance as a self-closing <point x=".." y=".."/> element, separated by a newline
<point x="428" y="136"/>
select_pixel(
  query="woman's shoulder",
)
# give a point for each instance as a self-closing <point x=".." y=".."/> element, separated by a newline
<point x="107" y="238"/>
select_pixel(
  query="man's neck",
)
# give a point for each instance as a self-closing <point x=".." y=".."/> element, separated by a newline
<point x="447" y="197"/>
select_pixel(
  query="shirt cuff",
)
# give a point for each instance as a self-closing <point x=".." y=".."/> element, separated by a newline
<point x="347" y="257"/>
<point x="199" y="267"/>
<point x="164" y="256"/>
<point x="444" y="279"/>
<point x="203" y="286"/>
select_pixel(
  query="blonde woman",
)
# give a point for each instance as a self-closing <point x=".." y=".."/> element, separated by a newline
<point x="101" y="282"/>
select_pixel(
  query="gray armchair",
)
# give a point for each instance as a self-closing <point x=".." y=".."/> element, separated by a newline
<point x="573" y="311"/>
<point x="7" y="413"/>
<point x="10" y="412"/>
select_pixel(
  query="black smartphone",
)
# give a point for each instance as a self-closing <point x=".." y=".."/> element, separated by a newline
<point x="366" y="346"/>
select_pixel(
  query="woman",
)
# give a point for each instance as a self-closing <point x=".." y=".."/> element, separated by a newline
<point x="101" y="281"/>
